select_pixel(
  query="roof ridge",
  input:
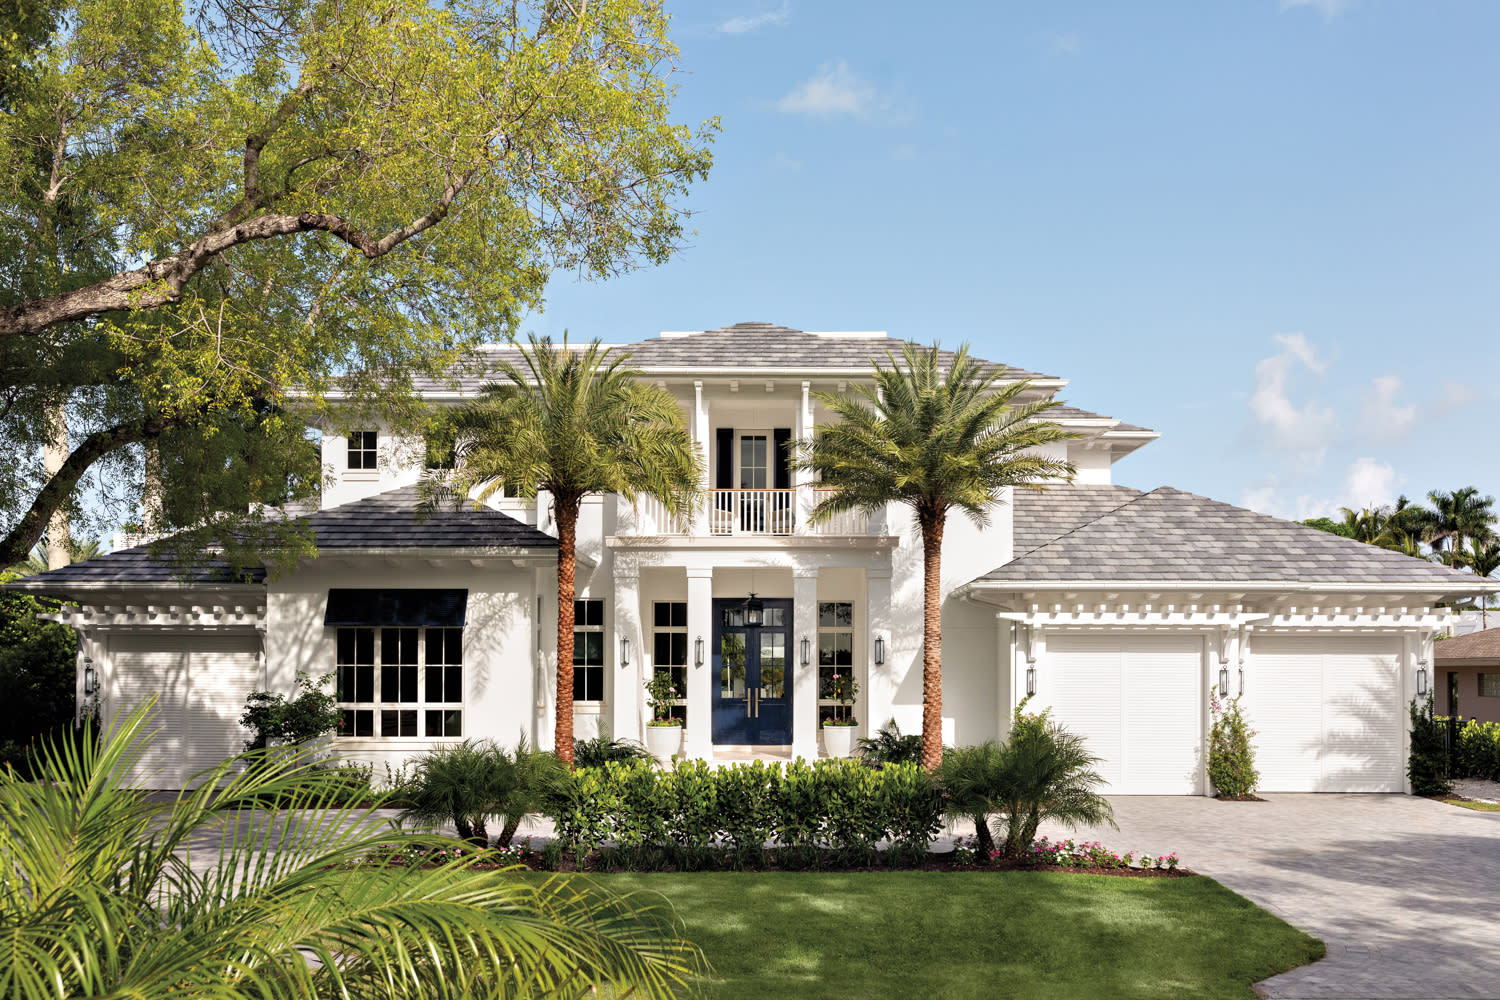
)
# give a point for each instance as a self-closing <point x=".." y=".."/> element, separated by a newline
<point x="1138" y="494"/>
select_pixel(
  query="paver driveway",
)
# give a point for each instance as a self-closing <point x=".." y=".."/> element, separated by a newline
<point x="1404" y="891"/>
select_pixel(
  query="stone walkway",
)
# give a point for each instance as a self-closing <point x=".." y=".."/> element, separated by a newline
<point x="1404" y="891"/>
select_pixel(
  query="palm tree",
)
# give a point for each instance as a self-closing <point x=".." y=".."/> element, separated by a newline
<point x="1482" y="558"/>
<point x="573" y="422"/>
<point x="1461" y="515"/>
<point x="99" y="897"/>
<point x="36" y="562"/>
<point x="935" y="437"/>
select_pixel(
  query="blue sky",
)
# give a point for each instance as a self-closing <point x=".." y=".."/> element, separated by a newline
<point x="1266" y="228"/>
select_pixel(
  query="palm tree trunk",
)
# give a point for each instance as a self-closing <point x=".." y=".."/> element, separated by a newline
<point x="566" y="513"/>
<point x="932" y="641"/>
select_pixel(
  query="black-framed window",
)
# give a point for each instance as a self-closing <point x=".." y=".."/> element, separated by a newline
<point x="362" y="449"/>
<point x="588" y="650"/>
<point x="400" y="682"/>
<point x="669" y="640"/>
<point x="1489" y="685"/>
<point x="835" y="653"/>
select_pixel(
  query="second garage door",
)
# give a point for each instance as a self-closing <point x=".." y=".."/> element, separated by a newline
<point x="1138" y="700"/>
<point x="1327" y="713"/>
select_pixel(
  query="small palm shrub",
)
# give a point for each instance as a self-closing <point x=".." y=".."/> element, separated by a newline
<point x="602" y="749"/>
<point x="1046" y="773"/>
<point x="1427" y="759"/>
<point x="473" y="781"/>
<point x="973" y="779"/>
<point x="1231" y="758"/>
<point x="889" y="746"/>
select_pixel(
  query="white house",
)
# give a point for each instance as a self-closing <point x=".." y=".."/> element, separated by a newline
<point x="1119" y="609"/>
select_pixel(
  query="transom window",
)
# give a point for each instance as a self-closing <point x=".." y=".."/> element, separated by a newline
<point x="400" y="683"/>
<point x="670" y="649"/>
<point x="835" y="655"/>
<point x="362" y="450"/>
<point x="588" y="650"/>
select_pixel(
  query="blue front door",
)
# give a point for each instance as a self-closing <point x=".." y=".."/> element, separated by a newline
<point x="752" y="701"/>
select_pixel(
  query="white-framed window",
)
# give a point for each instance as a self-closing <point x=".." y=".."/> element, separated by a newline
<point x="669" y="643"/>
<point x="588" y="650"/>
<point x="1489" y="685"/>
<point x="363" y="453"/>
<point x="400" y="682"/>
<point x="835" y="654"/>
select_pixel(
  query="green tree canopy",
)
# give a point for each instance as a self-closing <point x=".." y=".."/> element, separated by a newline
<point x="220" y="224"/>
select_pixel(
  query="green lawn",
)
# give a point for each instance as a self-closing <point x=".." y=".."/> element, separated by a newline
<point x="1471" y="804"/>
<point x="953" y="935"/>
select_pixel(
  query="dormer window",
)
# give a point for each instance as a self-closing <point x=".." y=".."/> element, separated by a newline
<point x="362" y="450"/>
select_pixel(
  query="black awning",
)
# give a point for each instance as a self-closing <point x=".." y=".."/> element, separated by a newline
<point x="376" y="607"/>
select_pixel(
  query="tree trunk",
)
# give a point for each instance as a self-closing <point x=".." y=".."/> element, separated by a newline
<point x="54" y="457"/>
<point x="565" y="511"/>
<point x="932" y="641"/>
<point x="983" y="839"/>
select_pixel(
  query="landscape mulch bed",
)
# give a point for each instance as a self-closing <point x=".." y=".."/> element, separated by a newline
<point x="1251" y="797"/>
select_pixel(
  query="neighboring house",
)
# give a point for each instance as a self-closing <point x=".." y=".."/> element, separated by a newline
<point x="1120" y="609"/>
<point x="1468" y="672"/>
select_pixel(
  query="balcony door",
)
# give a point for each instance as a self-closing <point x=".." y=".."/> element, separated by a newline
<point x="752" y="483"/>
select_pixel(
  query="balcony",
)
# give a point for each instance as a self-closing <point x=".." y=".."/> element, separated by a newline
<point x="746" y="513"/>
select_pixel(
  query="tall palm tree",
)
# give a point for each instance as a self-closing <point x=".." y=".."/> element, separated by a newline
<point x="37" y="562"/>
<point x="1482" y="558"/>
<point x="934" y="436"/>
<point x="1461" y="515"/>
<point x="99" y="898"/>
<point x="573" y="422"/>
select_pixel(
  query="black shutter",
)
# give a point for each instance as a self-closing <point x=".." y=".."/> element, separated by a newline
<point x="724" y="469"/>
<point x="783" y="438"/>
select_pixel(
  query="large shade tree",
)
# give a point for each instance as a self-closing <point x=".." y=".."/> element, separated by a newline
<point x="572" y="422"/>
<point x="221" y="220"/>
<point x="934" y="433"/>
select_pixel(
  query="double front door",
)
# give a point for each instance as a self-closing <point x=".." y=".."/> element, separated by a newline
<point x="752" y="702"/>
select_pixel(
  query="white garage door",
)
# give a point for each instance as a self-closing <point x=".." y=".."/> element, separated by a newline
<point x="1327" y="713"/>
<point x="1139" y="701"/>
<point x="200" y="683"/>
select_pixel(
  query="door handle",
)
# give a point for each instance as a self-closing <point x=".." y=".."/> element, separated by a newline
<point x="750" y="704"/>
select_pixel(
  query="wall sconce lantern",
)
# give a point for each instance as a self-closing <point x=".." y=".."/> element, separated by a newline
<point x="879" y="651"/>
<point x="754" y="610"/>
<point x="1030" y="681"/>
<point x="90" y="677"/>
<point x="1422" y="681"/>
<point x="806" y="650"/>
<point x="624" y="651"/>
<point x="1223" y="682"/>
<point x="698" y="652"/>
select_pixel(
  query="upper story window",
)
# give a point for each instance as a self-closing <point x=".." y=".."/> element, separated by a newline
<point x="362" y="451"/>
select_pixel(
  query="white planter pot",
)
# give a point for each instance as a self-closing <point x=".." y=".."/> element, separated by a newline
<point x="663" y="741"/>
<point x="838" y="741"/>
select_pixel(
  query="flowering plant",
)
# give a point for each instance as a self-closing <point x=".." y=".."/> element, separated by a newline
<point x="661" y="695"/>
<point x="1092" y="854"/>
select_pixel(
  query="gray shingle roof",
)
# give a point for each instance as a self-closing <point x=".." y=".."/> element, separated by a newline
<point x="1474" y="646"/>
<point x="1169" y="535"/>
<point x="1041" y="516"/>
<point x="134" y="565"/>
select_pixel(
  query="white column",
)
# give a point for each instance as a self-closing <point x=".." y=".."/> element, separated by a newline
<point x="805" y="679"/>
<point x="544" y="671"/>
<point x="802" y="479"/>
<point x="880" y="685"/>
<point x="701" y="679"/>
<point x="702" y="440"/>
<point x="628" y="700"/>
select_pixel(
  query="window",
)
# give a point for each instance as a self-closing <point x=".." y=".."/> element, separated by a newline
<point x="1489" y="685"/>
<point x="835" y="656"/>
<point x="362" y="450"/>
<point x="588" y="651"/>
<point x="413" y="688"/>
<point x="670" y="646"/>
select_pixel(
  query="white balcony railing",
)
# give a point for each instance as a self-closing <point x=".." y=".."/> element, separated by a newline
<point x="752" y="512"/>
<point x="745" y="512"/>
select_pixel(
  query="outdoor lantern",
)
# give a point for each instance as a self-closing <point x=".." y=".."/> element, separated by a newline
<point x="1422" y="681"/>
<point x="1030" y="681"/>
<point x="90" y="678"/>
<point x="698" y="651"/>
<point x="1223" y="682"/>
<point x="806" y="650"/>
<point x="754" y="609"/>
<point x="624" y="651"/>
<point x="879" y="651"/>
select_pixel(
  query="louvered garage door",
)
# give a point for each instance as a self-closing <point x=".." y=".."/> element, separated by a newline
<point x="200" y="683"/>
<point x="1137" y="699"/>
<point x="1327" y="713"/>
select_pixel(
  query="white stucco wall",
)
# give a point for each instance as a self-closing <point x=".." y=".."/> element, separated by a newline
<point x="399" y="463"/>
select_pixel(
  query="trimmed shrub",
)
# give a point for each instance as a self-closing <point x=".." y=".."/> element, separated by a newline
<point x="278" y="721"/>
<point x="1231" y="758"/>
<point x="1477" y="752"/>
<point x="1427" y="760"/>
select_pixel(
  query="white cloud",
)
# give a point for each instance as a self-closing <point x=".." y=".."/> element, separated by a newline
<point x="1067" y="43"/>
<point x="835" y="90"/>
<point x="1328" y="8"/>
<point x="754" y="22"/>
<point x="1382" y="417"/>
<point x="783" y="162"/>
<point x="1369" y="483"/>
<point x="1306" y="429"/>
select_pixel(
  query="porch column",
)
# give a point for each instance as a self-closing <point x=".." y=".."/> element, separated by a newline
<point x="805" y="679"/>
<point x="702" y="440"/>
<point x="880" y="685"/>
<point x="802" y="479"/>
<point x="629" y="697"/>
<point x="701" y="679"/>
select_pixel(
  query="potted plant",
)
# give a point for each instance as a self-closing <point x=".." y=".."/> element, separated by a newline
<point x="663" y="732"/>
<point x="840" y="727"/>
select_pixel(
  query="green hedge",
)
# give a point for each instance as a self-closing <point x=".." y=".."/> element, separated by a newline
<point x="695" y="815"/>
<point x="1477" y="752"/>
